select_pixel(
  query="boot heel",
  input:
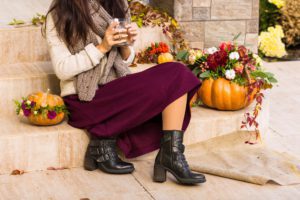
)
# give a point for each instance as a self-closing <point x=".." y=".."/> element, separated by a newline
<point x="160" y="174"/>
<point x="90" y="164"/>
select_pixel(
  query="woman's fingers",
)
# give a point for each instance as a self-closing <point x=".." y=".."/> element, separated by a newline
<point x="120" y="36"/>
<point x="119" y="41"/>
<point x="120" y="31"/>
<point x="132" y="33"/>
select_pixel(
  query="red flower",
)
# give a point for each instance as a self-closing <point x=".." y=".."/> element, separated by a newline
<point x="226" y="46"/>
<point x="217" y="59"/>
<point x="51" y="114"/>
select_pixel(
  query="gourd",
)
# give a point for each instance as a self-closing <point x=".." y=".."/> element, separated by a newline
<point x="50" y="109"/>
<point x="223" y="94"/>
<point x="165" y="57"/>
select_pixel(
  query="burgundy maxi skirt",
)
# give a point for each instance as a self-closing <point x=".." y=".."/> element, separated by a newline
<point x="130" y="107"/>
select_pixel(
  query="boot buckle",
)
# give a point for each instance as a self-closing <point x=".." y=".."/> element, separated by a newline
<point x="102" y="158"/>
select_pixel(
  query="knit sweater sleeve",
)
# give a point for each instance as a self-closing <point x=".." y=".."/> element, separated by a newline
<point x="66" y="65"/>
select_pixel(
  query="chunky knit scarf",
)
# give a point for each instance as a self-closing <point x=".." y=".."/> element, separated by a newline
<point x="86" y="82"/>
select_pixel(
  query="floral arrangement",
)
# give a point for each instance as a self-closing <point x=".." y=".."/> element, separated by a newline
<point x="42" y="108"/>
<point x="270" y="42"/>
<point x="282" y="15"/>
<point x="236" y="64"/>
<point x="27" y="108"/>
<point x="151" y="53"/>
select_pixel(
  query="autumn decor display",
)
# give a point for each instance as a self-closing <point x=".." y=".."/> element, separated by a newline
<point x="156" y="53"/>
<point x="42" y="108"/>
<point x="145" y="15"/>
<point x="232" y="77"/>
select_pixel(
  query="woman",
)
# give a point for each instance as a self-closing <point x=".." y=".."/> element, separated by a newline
<point x="138" y="112"/>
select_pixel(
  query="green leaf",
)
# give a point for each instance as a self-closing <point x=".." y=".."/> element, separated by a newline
<point x="205" y="74"/>
<point x="236" y="36"/>
<point x="182" y="55"/>
<point x="16" y="22"/>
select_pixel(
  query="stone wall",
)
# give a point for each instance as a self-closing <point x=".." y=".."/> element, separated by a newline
<point x="208" y="22"/>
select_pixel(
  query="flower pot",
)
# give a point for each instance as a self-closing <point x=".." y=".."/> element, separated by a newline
<point x="223" y="94"/>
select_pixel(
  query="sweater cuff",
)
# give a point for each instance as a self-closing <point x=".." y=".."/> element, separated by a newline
<point x="94" y="53"/>
<point x="131" y="56"/>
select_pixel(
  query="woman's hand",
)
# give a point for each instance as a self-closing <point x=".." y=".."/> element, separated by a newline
<point x="132" y="33"/>
<point x="113" y="37"/>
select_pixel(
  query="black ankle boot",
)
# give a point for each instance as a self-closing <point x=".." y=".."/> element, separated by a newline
<point x="171" y="158"/>
<point x="101" y="154"/>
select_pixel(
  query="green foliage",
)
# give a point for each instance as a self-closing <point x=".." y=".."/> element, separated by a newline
<point x="269" y="15"/>
<point x="16" y="22"/>
<point x="39" y="19"/>
<point x="182" y="55"/>
<point x="266" y="76"/>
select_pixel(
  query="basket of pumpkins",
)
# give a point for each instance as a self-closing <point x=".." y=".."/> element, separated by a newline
<point x="42" y="108"/>
<point x="232" y="76"/>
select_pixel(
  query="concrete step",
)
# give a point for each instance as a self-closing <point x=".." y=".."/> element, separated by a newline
<point x="19" y="80"/>
<point x="26" y="44"/>
<point x="32" y="148"/>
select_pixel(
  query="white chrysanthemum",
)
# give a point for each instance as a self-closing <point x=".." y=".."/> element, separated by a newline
<point x="192" y="59"/>
<point x="234" y="56"/>
<point x="35" y="112"/>
<point x="212" y="50"/>
<point x="28" y="102"/>
<point x="230" y="74"/>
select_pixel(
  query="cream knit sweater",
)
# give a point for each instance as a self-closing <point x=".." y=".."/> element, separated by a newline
<point x="67" y="66"/>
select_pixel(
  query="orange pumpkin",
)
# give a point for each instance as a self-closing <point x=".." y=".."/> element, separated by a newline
<point x="42" y="100"/>
<point x="165" y="57"/>
<point x="223" y="94"/>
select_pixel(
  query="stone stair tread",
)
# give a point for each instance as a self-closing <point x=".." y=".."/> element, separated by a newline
<point x="13" y="125"/>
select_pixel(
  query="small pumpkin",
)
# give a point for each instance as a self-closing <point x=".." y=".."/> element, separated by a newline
<point x="42" y="108"/>
<point x="49" y="101"/>
<point x="223" y="94"/>
<point x="165" y="57"/>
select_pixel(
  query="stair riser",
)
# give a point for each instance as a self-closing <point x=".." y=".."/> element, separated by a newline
<point x="65" y="146"/>
<point x="15" y="89"/>
<point x="19" y="45"/>
<point x="30" y="80"/>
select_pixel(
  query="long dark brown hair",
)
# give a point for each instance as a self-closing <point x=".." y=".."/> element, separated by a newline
<point x="73" y="19"/>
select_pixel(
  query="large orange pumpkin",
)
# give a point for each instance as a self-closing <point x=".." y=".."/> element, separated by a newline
<point x="43" y="99"/>
<point x="223" y="94"/>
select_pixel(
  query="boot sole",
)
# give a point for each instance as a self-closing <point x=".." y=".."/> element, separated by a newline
<point x="162" y="178"/>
